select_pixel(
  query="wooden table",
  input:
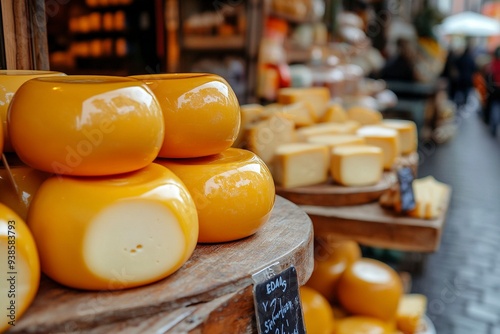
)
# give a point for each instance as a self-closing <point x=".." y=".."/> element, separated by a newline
<point x="372" y="225"/>
<point x="211" y="293"/>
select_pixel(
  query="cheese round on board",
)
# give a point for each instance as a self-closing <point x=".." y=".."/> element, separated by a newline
<point x="363" y="325"/>
<point x="371" y="288"/>
<point x="357" y="165"/>
<point x="85" y="125"/>
<point x="201" y="113"/>
<point x="27" y="181"/>
<point x="385" y="138"/>
<point x="233" y="191"/>
<point x="10" y="81"/>
<point x="407" y="131"/>
<point x="19" y="268"/>
<point x="114" y="232"/>
<point x="301" y="164"/>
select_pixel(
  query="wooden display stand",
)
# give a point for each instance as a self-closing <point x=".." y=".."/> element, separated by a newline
<point x="211" y="293"/>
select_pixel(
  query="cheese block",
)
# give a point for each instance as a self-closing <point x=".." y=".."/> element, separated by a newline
<point x="386" y="139"/>
<point x="250" y="114"/>
<point x="115" y="232"/>
<point x="201" y="113"/>
<point x="265" y="136"/>
<point x="301" y="164"/>
<point x="302" y="113"/>
<point x="407" y="131"/>
<point x="356" y="165"/>
<point x="85" y="125"/>
<point x="348" y="127"/>
<point x="336" y="140"/>
<point x="233" y="191"/>
<point x="335" y="112"/>
<point x="410" y="313"/>
<point x="317" y="96"/>
<point x="19" y="268"/>
<point x="364" y="115"/>
<point x="371" y="288"/>
<point x="362" y="325"/>
<point x="318" y="314"/>
<point x="10" y="81"/>
<point x="27" y="181"/>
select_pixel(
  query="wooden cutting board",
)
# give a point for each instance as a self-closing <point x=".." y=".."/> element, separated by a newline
<point x="211" y="293"/>
<point x="332" y="194"/>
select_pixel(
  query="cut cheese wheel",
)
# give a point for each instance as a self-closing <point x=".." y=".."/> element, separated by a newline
<point x="411" y="310"/>
<point x="356" y="165"/>
<point x="362" y="325"/>
<point x="317" y="96"/>
<point x="201" y="113"/>
<point x="250" y="114"/>
<point x="20" y="268"/>
<point x="85" y="125"/>
<point x="114" y="232"/>
<point x="302" y="113"/>
<point x="385" y="138"/>
<point x="349" y="127"/>
<point x="371" y="288"/>
<point x="407" y="131"/>
<point x="27" y="180"/>
<point x="267" y="135"/>
<point x="336" y="140"/>
<point x="364" y="115"/>
<point x="10" y="81"/>
<point x="233" y="191"/>
<point x="335" y="113"/>
<point x="301" y="164"/>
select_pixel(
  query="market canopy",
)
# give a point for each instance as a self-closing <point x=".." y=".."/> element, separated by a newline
<point x="469" y="24"/>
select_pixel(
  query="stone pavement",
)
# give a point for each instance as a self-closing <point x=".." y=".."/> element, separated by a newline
<point x="462" y="279"/>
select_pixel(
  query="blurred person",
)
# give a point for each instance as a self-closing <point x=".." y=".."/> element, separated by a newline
<point x="402" y="67"/>
<point x="494" y="91"/>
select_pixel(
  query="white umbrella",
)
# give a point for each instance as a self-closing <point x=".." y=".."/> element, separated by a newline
<point x="470" y="24"/>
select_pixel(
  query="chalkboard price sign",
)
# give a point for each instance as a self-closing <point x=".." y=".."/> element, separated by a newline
<point x="405" y="178"/>
<point x="277" y="303"/>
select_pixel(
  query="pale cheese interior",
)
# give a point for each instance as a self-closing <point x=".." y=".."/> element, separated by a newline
<point x="133" y="241"/>
<point x="356" y="165"/>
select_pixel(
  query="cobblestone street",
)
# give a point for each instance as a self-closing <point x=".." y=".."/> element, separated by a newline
<point x="462" y="279"/>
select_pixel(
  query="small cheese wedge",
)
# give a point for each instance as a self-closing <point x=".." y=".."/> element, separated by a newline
<point x="407" y="131"/>
<point x="115" y="232"/>
<point x="317" y="96"/>
<point x="27" y="180"/>
<point x="335" y="112"/>
<point x="411" y="310"/>
<point x="364" y="115"/>
<point x="336" y="140"/>
<point x="233" y="191"/>
<point x="301" y="164"/>
<point x="348" y="127"/>
<point x="357" y="324"/>
<point x="19" y="268"/>
<point x="267" y="135"/>
<point x="250" y="114"/>
<point x="356" y="165"/>
<point x="302" y="113"/>
<point x="385" y="138"/>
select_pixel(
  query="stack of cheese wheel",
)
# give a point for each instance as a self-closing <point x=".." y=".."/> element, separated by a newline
<point x="108" y="218"/>
<point x="365" y="295"/>
<point x="305" y="139"/>
<point x="233" y="189"/>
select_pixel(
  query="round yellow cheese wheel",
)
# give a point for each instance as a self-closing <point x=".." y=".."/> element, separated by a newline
<point x="201" y="111"/>
<point x="362" y="325"/>
<point x="10" y="81"/>
<point x="19" y="196"/>
<point x="85" y="125"/>
<point x="370" y="287"/>
<point x="318" y="314"/>
<point x="19" y="268"/>
<point x="113" y="232"/>
<point x="233" y="191"/>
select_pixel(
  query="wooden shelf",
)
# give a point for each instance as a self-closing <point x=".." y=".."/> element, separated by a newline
<point x="209" y="294"/>
<point x="193" y="42"/>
